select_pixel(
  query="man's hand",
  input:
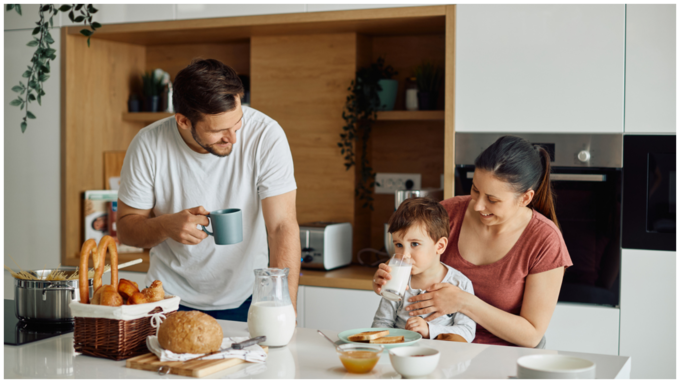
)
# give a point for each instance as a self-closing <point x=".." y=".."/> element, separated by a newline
<point x="418" y="325"/>
<point x="182" y="226"/>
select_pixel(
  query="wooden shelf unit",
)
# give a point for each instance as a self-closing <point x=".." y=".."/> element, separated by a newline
<point x="300" y="66"/>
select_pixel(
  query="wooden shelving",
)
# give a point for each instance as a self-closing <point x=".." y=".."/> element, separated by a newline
<point x="145" y="116"/>
<point x="411" y="115"/>
<point x="392" y="115"/>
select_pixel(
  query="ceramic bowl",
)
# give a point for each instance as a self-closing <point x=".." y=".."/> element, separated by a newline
<point x="359" y="358"/>
<point x="554" y="367"/>
<point x="414" y="362"/>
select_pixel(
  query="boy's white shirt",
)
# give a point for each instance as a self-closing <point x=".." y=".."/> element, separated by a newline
<point x="392" y="314"/>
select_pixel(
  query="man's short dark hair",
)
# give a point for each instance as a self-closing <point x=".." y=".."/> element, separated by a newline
<point x="205" y="87"/>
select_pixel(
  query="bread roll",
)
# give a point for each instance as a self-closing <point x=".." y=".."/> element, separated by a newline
<point x="154" y="293"/>
<point x="137" y="299"/>
<point x="190" y="332"/>
<point x="127" y="288"/>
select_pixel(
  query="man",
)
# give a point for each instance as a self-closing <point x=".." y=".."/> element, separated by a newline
<point x="213" y="154"/>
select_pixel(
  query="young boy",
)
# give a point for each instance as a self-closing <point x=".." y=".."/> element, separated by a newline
<point x="420" y="230"/>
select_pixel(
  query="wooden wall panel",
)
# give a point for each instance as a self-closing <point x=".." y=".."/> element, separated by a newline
<point x="95" y="88"/>
<point x="404" y="147"/>
<point x="450" y="96"/>
<point x="301" y="81"/>
<point x="175" y="57"/>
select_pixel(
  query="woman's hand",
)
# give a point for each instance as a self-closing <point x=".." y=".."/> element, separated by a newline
<point x="441" y="299"/>
<point x="381" y="276"/>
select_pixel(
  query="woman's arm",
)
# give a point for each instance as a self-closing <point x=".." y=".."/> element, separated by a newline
<point x="526" y="329"/>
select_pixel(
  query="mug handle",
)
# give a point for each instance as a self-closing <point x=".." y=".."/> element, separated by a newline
<point x="206" y="230"/>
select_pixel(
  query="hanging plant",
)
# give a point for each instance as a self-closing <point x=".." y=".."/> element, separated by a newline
<point x="359" y="113"/>
<point x="39" y="70"/>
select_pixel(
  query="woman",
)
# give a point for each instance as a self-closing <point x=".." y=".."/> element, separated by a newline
<point x="505" y="238"/>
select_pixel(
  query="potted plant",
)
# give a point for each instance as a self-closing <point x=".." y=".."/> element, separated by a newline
<point x="429" y="77"/>
<point x="359" y="113"/>
<point x="152" y="86"/>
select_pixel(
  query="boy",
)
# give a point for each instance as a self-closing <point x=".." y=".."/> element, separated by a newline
<point x="420" y="230"/>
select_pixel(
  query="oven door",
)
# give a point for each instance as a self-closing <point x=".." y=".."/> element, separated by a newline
<point x="588" y="208"/>
<point x="649" y="192"/>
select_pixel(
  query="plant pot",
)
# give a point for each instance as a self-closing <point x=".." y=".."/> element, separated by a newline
<point x="388" y="94"/>
<point x="134" y="105"/>
<point x="427" y="101"/>
<point x="152" y="103"/>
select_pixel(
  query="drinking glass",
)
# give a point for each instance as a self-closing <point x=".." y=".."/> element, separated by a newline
<point x="395" y="288"/>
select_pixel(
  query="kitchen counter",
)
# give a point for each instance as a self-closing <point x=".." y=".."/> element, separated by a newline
<point x="351" y="277"/>
<point x="307" y="356"/>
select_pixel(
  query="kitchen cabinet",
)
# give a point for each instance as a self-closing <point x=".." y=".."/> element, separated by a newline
<point x="339" y="309"/>
<point x="648" y="318"/>
<point x="32" y="161"/>
<point x="539" y="68"/>
<point x="650" y="68"/>
<point x="201" y="11"/>
<point x="584" y="328"/>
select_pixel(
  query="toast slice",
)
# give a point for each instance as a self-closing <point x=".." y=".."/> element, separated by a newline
<point x="388" y="339"/>
<point x="367" y="336"/>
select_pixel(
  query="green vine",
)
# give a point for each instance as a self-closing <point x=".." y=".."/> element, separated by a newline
<point x="39" y="70"/>
<point x="360" y="111"/>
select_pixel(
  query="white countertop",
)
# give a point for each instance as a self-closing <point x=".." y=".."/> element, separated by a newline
<point x="307" y="356"/>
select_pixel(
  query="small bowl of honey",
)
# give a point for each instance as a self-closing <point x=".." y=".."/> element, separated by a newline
<point x="359" y="358"/>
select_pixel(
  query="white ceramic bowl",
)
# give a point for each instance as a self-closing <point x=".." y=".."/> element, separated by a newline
<point x="414" y="362"/>
<point x="554" y="367"/>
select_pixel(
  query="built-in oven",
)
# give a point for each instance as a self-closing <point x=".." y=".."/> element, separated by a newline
<point x="649" y="192"/>
<point x="586" y="177"/>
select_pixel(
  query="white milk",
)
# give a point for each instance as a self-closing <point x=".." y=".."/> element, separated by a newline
<point x="272" y="320"/>
<point x="396" y="286"/>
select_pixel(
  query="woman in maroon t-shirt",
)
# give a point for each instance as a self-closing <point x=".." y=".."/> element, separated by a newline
<point x="505" y="238"/>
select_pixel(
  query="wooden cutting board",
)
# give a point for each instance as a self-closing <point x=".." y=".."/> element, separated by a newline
<point x="196" y="368"/>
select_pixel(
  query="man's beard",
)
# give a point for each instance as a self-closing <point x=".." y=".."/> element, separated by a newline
<point x="210" y="148"/>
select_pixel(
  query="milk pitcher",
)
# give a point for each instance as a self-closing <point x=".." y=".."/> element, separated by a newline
<point x="271" y="312"/>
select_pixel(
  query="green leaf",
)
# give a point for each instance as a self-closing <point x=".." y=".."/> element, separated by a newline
<point x="45" y="8"/>
<point x="23" y="127"/>
<point x="43" y="77"/>
<point x="9" y="7"/>
<point x="86" y="32"/>
<point x="32" y="43"/>
<point x="16" y="102"/>
<point x="36" y="31"/>
<point x="50" y="51"/>
<point x="65" y="8"/>
<point x="51" y="24"/>
<point x="30" y="115"/>
<point x="96" y="25"/>
<point x="26" y="74"/>
<point x="49" y="38"/>
<point x="17" y="7"/>
<point x="71" y="16"/>
<point x="39" y="101"/>
<point x="92" y="10"/>
<point x="31" y="97"/>
<point x="45" y="69"/>
<point x="17" y="89"/>
<point x="79" y="19"/>
<point x="79" y="6"/>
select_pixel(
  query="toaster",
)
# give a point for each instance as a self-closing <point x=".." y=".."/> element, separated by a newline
<point x="325" y="245"/>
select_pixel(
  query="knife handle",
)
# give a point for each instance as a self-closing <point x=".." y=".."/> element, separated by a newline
<point x="249" y="342"/>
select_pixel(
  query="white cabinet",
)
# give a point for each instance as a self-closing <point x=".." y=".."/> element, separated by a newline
<point x="126" y="13"/>
<point x="648" y="325"/>
<point x="584" y="328"/>
<point x="32" y="172"/>
<point x="339" y="309"/>
<point x="201" y="11"/>
<point x="539" y="68"/>
<point x="650" y="68"/>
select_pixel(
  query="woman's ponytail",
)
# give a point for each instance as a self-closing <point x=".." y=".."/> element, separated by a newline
<point x="543" y="200"/>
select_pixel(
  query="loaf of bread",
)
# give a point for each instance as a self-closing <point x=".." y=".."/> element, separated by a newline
<point x="191" y="332"/>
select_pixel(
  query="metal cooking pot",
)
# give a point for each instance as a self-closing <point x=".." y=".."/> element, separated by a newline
<point x="45" y="301"/>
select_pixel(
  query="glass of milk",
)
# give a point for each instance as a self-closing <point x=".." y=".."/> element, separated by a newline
<point x="401" y="276"/>
<point x="271" y="313"/>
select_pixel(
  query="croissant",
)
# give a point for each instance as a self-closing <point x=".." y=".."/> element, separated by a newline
<point x="137" y="299"/>
<point x="127" y="288"/>
<point x="154" y="293"/>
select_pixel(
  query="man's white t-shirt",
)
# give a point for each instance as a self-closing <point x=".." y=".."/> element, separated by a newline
<point x="161" y="172"/>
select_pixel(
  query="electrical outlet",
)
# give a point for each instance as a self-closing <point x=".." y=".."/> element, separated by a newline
<point x="388" y="183"/>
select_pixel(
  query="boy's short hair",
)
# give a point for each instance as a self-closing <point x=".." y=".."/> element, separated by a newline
<point x="421" y="210"/>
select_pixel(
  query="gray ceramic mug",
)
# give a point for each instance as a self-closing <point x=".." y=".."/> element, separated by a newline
<point x="227" y="226"/>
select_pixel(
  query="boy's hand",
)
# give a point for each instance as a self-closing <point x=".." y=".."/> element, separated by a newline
<point x="418" y="325"/>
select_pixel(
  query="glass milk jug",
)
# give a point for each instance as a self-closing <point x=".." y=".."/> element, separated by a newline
<point x="271" y="312"/>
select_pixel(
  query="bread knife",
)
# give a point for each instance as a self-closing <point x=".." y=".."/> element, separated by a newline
<point x="234" y="346"/>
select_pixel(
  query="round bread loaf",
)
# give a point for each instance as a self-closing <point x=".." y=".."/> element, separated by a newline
<point x="190" y="332"/>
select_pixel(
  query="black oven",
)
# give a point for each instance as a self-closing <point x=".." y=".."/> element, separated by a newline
<point x="586" y="177"/>
<point x="649" y="192"/>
